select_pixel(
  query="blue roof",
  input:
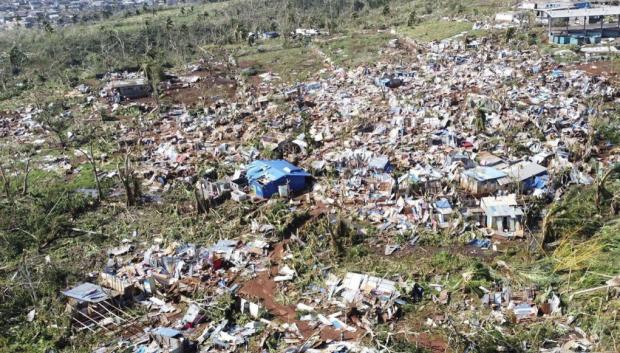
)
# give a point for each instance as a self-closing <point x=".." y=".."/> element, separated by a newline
<point x="484" y="173"/>
<point x="273" y="170"/>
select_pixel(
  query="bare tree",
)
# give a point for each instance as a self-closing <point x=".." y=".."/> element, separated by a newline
<point x="130" y="181"/>
<point x="6" y="184"/>
<point x="54" y="119"/>
<point x="90" y="156"/>
<point x="88" y="133"/>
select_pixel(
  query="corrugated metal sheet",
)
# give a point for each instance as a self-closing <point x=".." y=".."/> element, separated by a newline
<point x="525" y="170"/>
<point x="484" y="173"/>
<point x="87" y="292"/>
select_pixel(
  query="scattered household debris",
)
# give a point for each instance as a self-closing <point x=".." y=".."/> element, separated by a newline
<point x="407" y="149"/>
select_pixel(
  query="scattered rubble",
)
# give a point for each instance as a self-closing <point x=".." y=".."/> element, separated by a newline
<point x="462" y="140"/>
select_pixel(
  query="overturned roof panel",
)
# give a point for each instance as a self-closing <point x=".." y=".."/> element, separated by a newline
<point x="380" y="162"/>
<point x="128" y="83"/>
<point x="87" y="292"/>
<point x="506" y="200"/>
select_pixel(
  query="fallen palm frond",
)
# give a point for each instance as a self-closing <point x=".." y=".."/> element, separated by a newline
<point x="525" y="274"/>
<point x="614" y="282"/>
<point x="602" y="193"/>
<point x="575" y="216"/>
<point x="573" y="256"/>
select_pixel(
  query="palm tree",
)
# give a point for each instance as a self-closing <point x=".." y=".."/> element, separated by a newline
<point x="48" y="27"/>
<point x="547" y="223"/>
<point x="480" y="122"/>
<point x="602" y="194"/>
<point x="16" y="58"/>
<point x="153" y="72"/>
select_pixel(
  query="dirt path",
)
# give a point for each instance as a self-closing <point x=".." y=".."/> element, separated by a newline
<point x="264" y="289"/>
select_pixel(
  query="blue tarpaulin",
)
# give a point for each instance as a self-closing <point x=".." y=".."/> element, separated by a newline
<point x="540" y="182"/>
<point x="480" y="243"/>
<point x="582" y="5"/>
<point x="266" y="175"/>
<point x="442" y="203"/>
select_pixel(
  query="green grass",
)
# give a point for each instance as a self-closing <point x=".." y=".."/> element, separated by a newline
<point x="355" y="49"/>
<point x="435" y="30"/>
<point x="291" y="64"/>
<point x="174" y="220"/>
<point x="128" y="23"/>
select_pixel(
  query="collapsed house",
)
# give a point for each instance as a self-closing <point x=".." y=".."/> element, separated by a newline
<point x="170" y="341"/>
<point x="444" y="212"/>
<point x="447" y="167"/>
<point x="93" y="307"/>
<point x="363" y="290"/>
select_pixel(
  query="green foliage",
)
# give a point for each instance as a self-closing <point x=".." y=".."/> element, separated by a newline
<point x="358" y="5"/>
<point x="413" y="19"/>
<point x="386" y="10"/>
<point x="41" y="223"/>
<point x="607" y="129"/>
<point x="357" y="251"/>
<point x="355" y="49"/>
<point x="575" y="216"/>
<point x="387" y="338"/>
<point x="428" y="31"/>
<point x="37" y="219"/>
<point x="55" y="119"/>
<point x="221" y="308"/>
<point x="17" y="59"/>
<point x="480" y="122"/>
<point x="445" y="261"/>
<point x="293" y="63"/>
<point x="510" y="33"/>
<point x="530" y="340"/>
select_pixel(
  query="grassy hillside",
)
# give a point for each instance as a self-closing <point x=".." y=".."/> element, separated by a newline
<point x="51" y="234"/>
<point x="178" y="35"/>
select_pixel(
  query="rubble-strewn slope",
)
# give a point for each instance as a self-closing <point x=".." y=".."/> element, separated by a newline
<point x="446" y="196"/>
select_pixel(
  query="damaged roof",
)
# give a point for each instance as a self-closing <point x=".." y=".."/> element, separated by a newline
<point x="87" y="292"/>
<point x="525" y="170"/>
<point x="484" y="173"/>
<point x="273" y="170"/>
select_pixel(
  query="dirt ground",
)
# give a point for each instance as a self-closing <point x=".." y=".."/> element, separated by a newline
<point x="212" y="86"/>
<point x="600" y="68"/>
<point x="263" y="288"/>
